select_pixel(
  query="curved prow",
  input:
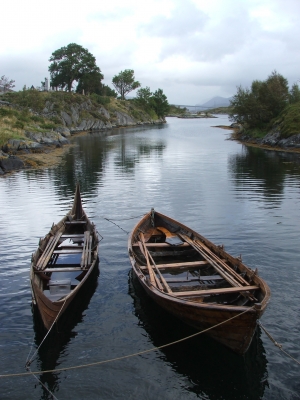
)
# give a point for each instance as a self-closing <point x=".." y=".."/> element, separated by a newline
<point x="77" y="210"/>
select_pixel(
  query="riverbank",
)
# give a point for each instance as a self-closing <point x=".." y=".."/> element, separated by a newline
<point x="36" y="127"/>
<point x="271" y="141"/>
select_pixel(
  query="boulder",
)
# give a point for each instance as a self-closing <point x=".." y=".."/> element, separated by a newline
<point x="10" y="163"/>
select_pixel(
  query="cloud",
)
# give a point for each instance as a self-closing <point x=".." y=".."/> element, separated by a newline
<point x="192" y="49"/>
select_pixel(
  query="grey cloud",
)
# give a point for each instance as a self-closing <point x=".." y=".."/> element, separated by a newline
<point x="185" y="19"/>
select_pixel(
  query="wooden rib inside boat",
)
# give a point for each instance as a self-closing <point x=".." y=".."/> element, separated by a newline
<point x="197" y="281"/>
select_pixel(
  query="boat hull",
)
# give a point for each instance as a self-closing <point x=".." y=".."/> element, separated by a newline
<point x="76" y="228"/>
<point x="232" y="325"/>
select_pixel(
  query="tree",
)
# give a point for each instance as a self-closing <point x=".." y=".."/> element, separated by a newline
<point x="265" y="101"/>
<point x="6" y="83"/>
<point x="294" y="95"/>
<point x="90" y="83"/>
<point x="143" y="96"/>
<point x="125" y="83"/>
<point x="71" y="63"/>
<point x="160" y="103"/>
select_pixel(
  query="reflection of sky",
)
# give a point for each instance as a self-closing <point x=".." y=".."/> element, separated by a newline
<point x="187" y="170"/>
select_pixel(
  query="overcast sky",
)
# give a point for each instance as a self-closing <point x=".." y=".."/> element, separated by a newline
<point x="192" y="49"/>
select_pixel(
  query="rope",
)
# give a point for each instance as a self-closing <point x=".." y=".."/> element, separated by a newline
<point x="28" y="362"/>
<point x="123" y="219"/>
<point x="129" y="355"/>
<point x="276" y="343"/>
<point x="44" y="386"/>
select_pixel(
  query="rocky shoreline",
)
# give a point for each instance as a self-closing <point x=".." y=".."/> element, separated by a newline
<point x="38" y="149"/>
<point x="271" y="141"/>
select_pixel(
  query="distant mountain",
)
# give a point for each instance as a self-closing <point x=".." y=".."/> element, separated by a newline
<point x="215" y="102"/>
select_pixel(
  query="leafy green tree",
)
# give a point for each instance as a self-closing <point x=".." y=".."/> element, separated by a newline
<point x="258" y="106"/>
<point x="90" y="83"/>
<point x="107" y="91"/>
<point x="294" y="95"/>
<point x="159" y="103"/>
<point x="143" y="97"/>
<point x="125" y="82"/>
<point x="71" y="63"/>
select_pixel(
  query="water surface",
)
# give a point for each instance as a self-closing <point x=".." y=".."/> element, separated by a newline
<point x="244" y="198"/>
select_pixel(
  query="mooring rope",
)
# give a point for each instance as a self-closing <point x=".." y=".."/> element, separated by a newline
<point x="44" y="386"/>
<point x="276" y="343"/>
<point x="28" y="362"/>
<point x="122" y="219"/>
<point x="127" y="356"/>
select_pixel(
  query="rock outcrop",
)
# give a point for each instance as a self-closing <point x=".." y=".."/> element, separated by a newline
<point x="78" y="114"/>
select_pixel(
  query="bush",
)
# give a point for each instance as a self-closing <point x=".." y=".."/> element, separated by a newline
<point x="103" y="100"/>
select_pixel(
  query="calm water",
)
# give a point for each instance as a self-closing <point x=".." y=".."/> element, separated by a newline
<point x="245" y="198"/>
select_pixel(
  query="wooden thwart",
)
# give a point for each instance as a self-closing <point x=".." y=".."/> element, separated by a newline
<point x="149" y="244"/>
<point x="215" y="291"/>
<point x="182" y="265"/>
<point x="63" y="269"/>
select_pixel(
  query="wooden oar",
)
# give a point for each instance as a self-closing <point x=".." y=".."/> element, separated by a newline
<point x="150" y="270"/>
<point x="155" y="277"/>
<point x="226" y="274"/>
<point x="167" y="287"/>
<point x="222" y="263"/>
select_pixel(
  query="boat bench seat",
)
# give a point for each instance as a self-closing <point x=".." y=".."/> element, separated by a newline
<point x="75" y="222"/>
<point x="202" y="278"/>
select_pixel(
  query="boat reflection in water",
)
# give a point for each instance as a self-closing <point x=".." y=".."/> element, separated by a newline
<point x="212" y="369"/>
<point x="57" y="341"/>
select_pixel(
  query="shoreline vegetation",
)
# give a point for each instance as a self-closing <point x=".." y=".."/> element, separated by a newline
<point x="36" y="127"/>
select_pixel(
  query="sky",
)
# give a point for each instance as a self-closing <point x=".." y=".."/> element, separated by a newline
<point x="193" y="50"/>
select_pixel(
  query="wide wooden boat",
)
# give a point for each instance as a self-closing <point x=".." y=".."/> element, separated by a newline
<point x="197" y="281"/>
<point x="63" y="262"/>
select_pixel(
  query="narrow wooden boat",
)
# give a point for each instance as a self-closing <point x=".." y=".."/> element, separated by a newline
<point x="197" y="281"/>
<point x="63" y="262"/>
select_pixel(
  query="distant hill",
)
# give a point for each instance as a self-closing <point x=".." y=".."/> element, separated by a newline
<point x="215" y="102"/>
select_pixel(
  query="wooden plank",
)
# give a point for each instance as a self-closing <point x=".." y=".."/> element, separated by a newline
<point x="75" y="251"/>
<point x="182" y="265"/>
<point x="73" y="235"/>
<point x="185" y="244"/>
<point x="70" y="247"/>
<point x="47" y="253"/>
<point x="222" y="263"/>
<point x="86" y="251"/>
<point x="150" y="270"/>
<point x="206" y="292"/>
<point x="75" y="222"/>
<point x="63" y="269"/>
<point x="195" y="279"/>
<point x="216" y="262"/>
<point x="167" y="287"/>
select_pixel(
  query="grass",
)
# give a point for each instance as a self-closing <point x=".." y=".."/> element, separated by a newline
<point x="289" y="121"/>
<point x="13" y="124"/>
<point x="25" y="115"/>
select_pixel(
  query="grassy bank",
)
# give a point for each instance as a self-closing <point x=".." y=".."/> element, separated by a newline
<point x="29" y="108"/>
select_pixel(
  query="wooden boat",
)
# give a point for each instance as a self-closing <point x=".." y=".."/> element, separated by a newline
<point x="197" y="281"/>
<point x="63" y="262"/>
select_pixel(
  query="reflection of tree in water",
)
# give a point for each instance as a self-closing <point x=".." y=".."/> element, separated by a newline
<point x="268" y="168"/>
<point x="212" y="370"/>
<point x="56" y="343"/>
<point x="130" y="154"/>
<point x="86" y="162"/>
